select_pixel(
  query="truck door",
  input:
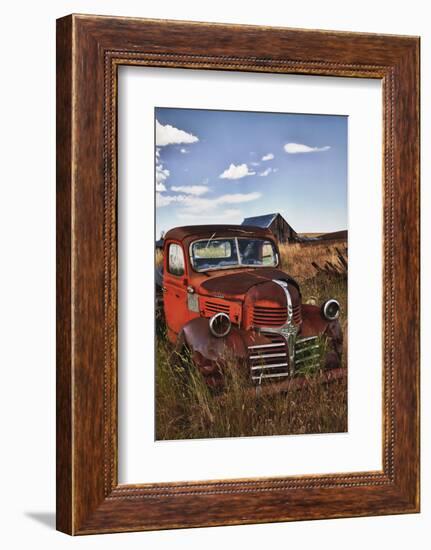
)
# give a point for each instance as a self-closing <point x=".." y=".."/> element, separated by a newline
<point x="175" y="289"/>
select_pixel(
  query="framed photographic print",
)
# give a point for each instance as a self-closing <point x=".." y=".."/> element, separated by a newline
<point x="237" y="274"/>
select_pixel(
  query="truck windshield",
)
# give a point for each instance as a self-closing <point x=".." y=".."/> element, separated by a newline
<point x="219" y="253"/>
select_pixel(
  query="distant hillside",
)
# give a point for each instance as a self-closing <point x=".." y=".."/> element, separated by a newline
<point x="319" y="237"/>
<point x="333" y="236"/>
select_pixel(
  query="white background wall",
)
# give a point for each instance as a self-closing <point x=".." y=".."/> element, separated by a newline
<point x="27" y="280"/>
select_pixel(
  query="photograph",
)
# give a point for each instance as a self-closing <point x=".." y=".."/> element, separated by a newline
<point x="251" y="273"/>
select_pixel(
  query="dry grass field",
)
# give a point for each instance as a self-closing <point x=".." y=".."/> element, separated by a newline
<point x="185" y="409"/>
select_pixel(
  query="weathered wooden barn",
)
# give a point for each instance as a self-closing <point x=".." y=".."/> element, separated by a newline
<point x="278" y="225"/>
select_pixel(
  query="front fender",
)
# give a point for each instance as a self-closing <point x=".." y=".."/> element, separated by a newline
<point x="210" y="354"/>
<point x="196" y="335"/>
<point x="314" y="324"/>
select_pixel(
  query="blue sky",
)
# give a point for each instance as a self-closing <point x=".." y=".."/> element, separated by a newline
<point x="223" y="166"/>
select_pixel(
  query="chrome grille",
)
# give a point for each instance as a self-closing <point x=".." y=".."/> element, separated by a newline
<point x="271" y="360"/>
<point x="307" y="352"/>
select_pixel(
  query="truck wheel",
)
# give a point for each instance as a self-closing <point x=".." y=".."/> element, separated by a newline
<point x="187" y="362"/>
<point x="334" y="339"/>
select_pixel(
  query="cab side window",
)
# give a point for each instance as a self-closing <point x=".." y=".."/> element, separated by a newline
<point x="176" y="260"/>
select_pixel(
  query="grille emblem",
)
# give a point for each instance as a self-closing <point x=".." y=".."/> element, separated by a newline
<point x="289" y="330"/>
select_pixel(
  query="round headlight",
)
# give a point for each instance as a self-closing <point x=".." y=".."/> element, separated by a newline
<point x="331" y="310"/>
<point x="220" y="325"/>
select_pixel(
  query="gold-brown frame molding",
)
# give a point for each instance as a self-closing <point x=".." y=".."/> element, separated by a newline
<point x="89" y="51"/>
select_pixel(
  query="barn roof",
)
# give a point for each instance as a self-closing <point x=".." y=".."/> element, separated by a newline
<point x="260" y="221"/>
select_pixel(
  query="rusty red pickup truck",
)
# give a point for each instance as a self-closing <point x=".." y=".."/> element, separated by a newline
<point x="224" y="295"/>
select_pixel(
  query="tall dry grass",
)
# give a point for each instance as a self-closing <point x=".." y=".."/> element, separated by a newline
<point x="186" y="409"/>
<point x="297" y="258"/>
<point x="159" y="257"/>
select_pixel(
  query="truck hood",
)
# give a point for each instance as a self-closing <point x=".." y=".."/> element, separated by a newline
<point x="236" y="285"/>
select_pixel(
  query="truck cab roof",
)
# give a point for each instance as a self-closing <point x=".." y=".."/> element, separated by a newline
<point x="203" y="231"/>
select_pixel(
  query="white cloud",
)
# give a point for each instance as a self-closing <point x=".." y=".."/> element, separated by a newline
<point x="236" y="198"/>
<point x="193" y="204"/>
<point x="294" y="148"/>
<point x="255" y="163"/>
<point x="169" y="135"/>
<point x="191" y="189"/>
<point x="161" y="173"/>
<point x="183" y="150"/>
<point x="235" y="172"/>
<point x="165" y="200"/>
<point x="266" y="172"/>
<point x="269" y="156"/>
<point x="161" y="177"/>
<point x="160" y="187"/>
<point x="200" y="204"/>
<point x="217" y="210"/>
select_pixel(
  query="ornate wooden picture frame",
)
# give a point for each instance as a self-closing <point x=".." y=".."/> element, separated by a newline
<point x="89" y="51"/>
